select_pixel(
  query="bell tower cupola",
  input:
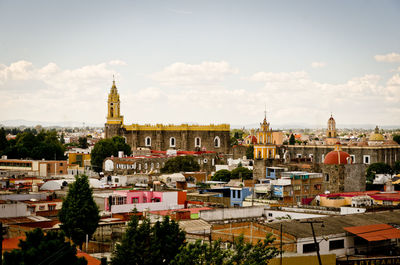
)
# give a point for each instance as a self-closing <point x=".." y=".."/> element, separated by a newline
<point x="113" y="105"/>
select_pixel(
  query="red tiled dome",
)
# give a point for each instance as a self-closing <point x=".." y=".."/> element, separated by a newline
<point x="336" y="157"/>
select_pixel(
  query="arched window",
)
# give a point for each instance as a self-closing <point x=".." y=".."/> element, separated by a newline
<point x="217" y="142"/>
<point x="172" y="142"/>
<point x="197" y="142"/>
<point x="147" y="141"/>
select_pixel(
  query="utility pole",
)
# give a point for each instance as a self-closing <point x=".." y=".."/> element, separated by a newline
<point x="315" y="240"/>
<point x="280" y="260"/>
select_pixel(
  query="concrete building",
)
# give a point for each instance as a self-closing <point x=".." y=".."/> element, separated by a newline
<point x="38" y="168"/>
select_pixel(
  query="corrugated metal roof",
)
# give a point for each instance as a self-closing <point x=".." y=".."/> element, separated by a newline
<point x="376" y="232"/>
<point x="335" y="224"/>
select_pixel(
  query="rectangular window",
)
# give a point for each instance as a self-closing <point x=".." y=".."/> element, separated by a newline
<point x="269" y="214"/>
<point x="239" y="194"/>
<point x="307" y="248"/>
<point x="336" y="244"/>
<point x="353" y="159"/>
<point x="41" y="207"/>
<point x="322" y="158"/>
<point x="135" y="200"/>
<point x="233" y="194"/>
<point x="52" y="207"/>
<point x="367" y="159"/>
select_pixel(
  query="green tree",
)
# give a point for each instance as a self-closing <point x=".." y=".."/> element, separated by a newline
<point x="79" y="215"/>
<point x="250" y="152"/>
<point x="233" y="141"/>
<point x="180" y="164"/>
<point x="241" y="172"/>
<point x="62" y="139"/>
<point x="106" y="148"/>
<point x="239" y="252"/>
<point x="146" y="244"/>
<point x="396" y="138"/>
<point x="39" y="248"/>
<point x="292" y="140"/>
<point x="377" y="168"/>
<point x="222" y="175"/>
<point x="396" y="167"/>
<point x="3" y="140"/>
<point x="83" y="142"/>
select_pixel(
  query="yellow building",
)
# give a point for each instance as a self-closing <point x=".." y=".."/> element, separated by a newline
<point x="265" y="148"/>
<point x="78" y="160"/>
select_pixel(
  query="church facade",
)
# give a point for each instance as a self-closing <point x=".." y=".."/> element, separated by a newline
<point x="165" y="137"/>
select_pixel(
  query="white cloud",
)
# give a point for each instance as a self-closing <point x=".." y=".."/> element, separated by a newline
<point x="389" y="58"/>
<point x="29" y="92"/>
<point x="318" y="64"/>
<point x="53" y="94"/>
<point x="118" y="62"/>
<point x="182" y="74"/>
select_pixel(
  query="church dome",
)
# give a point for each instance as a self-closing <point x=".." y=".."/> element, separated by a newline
<point x="336" y="157"/>
<point x="376" y="136"/>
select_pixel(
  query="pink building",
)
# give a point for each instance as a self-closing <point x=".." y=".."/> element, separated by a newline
<point x="127" y="200"/>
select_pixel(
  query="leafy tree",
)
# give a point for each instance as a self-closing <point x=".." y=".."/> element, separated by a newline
<point x="239" y="253"/>
<point x="396" y="138"/>
<point x="106" y="148"/>
<point x="233" y="141"/>
<point x="145" y="244"/>
<point x="79" y="214"/>
<point x="180" y="164"/>
<point x="377" y="168"/>
<point x="3" y="140"/>
<point x="39" y="248"/>
<point x="250" y="152"/>
<point x="222" y="175"/>
<point x="396" y="167"/>
<point x="292" y="140"/>
<point x="62" y="140"/>
<point x="83" y="142"/>
<point x="241" y="172"/>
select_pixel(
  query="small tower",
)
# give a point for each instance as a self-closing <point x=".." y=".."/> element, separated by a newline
<point x="331" y="134"/>
<point x="265" y="147"/>
<point x="331" y="131"/>
<point x="114" y="118"/>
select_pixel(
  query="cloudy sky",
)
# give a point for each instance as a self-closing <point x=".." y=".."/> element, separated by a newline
<point x="201" y="61"/>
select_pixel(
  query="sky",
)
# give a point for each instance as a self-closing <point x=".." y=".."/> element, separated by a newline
<point x="201" y="62"/>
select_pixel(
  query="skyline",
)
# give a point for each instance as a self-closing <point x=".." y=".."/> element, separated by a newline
<point x="203" y="63"/>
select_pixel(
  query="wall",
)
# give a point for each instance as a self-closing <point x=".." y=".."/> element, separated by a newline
<point x="329" y="259"/>
<point x="13" y="210"/>
<point x="276" y="215"/>
<point x="231" y="213"/>
<point x="324" y="244"/>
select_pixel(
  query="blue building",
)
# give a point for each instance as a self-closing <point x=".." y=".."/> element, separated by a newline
<point x="238" y="194"/>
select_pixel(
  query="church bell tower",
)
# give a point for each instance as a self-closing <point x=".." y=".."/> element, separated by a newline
<point x="114" y="115"/>
<point x="114" y="118"/>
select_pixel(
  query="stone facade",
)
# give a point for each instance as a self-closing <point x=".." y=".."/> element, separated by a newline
<point x="388" y="154"/>
<point x="182" y="137"/>
<point x="145" y="165"/>
<point x="344" y="178"/>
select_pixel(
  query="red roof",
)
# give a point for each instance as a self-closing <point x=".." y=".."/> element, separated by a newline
<point x="395" y="196"/>
<point x="336" y="158"/>
<point x="11" y="243"/>
<point x="375" y="232"/>
<point x="90" y="259"/>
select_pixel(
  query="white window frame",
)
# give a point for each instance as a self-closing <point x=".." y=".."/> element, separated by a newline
<point x="219" y="142"/>
<point x="147" y="141"/>
<point x="323" y="158"/>
<point x="172" y="139"/>
<point x="195" y="142"/>
<point x="353" y="158"/>
<point x="365" y="157"/>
